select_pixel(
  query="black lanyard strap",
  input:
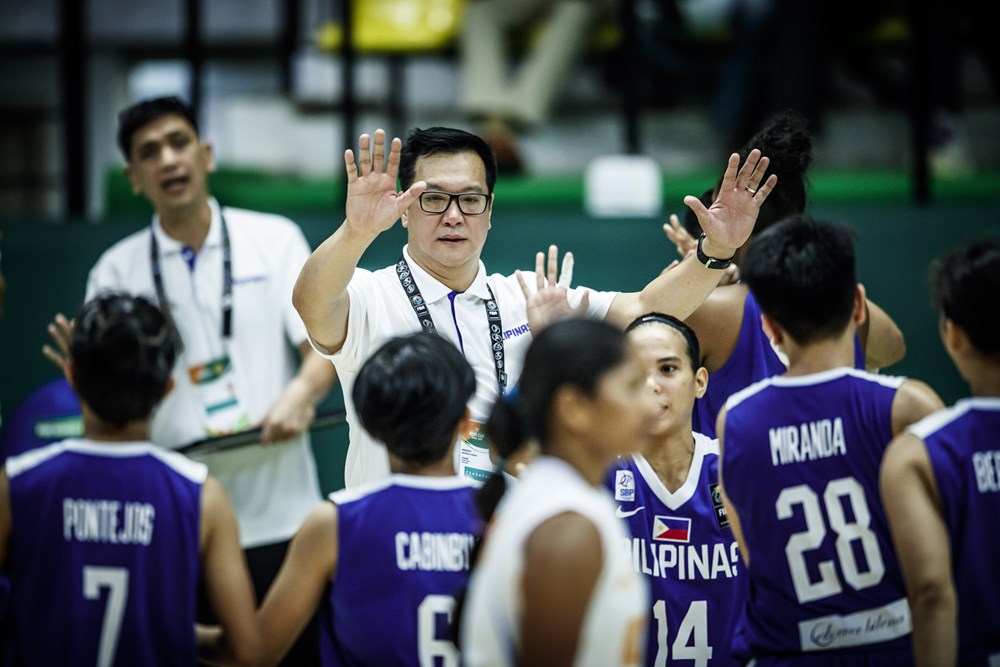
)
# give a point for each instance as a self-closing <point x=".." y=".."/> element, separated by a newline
<point x="227" y="277"/>
<point x="424" y="317"/>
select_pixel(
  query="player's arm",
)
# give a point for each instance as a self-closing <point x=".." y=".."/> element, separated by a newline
<point x="919" y="533"/>
<point x="881" y="338"/>
<point x="227" y="583"/>
<point x="727" y="225"/>
<point x="295" y="595"/>
<point x="914" y="400"/>
<point x="734" y="518"/>
<point x="717" y="324"/>
<point x="562" y="562"/>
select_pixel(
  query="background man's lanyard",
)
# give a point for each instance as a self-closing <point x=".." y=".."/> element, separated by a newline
<point x="424" y="316"/>
<point x="227" y="278"/>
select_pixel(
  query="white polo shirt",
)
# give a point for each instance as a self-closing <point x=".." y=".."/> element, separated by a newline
<point x="272" y="487"/>
<point x="381" y="309"/>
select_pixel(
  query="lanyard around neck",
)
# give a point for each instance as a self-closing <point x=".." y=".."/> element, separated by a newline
<point x="419" y="306"/>
<point x="227" y="277"/>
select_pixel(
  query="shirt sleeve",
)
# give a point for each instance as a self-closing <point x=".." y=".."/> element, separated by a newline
<point x="103" y="276"/>
<point x="599" y="304"/>
<point x="296" y="253"/>
<point x="364" y="292"/>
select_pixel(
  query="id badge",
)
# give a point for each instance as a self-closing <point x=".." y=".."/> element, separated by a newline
<point x="215" y="381"/>
<point x="474" y="453"/>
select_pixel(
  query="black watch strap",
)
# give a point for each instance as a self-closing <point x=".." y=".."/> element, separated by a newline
<point x="711" y="262"/>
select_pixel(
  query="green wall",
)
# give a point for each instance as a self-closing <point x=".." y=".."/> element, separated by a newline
<point x="46" y="267"/>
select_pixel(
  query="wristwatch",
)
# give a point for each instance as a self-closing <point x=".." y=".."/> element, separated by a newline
<point x="711" y="262"/>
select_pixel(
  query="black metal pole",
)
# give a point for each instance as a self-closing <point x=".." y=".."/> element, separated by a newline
<point x="194" y="50"/>
<point x="630" y="54"/>
<point x="349" y="103"/>
<point x="920" y="105"/>
<point x="72" y="74"/>
<point x="289" y="43"/>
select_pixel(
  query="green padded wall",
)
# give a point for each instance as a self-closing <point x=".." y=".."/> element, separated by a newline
<point x="46" y="264"/>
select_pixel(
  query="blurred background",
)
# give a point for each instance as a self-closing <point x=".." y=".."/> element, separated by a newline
<point x="905" y="111"/>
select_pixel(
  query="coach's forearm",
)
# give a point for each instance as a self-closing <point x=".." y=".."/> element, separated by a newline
<point x="320" y="293"/>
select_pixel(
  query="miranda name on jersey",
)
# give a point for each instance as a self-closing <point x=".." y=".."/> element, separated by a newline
<point x="808" y="441"/>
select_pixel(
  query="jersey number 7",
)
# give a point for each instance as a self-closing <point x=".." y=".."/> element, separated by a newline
<point x="115" y="579"/>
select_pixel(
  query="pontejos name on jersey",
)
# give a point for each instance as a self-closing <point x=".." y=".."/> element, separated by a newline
<point x="433" y="552"/>
<point x="109" y="521"/>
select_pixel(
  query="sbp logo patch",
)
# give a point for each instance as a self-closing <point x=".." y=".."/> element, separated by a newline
<point x="624" y="486"/>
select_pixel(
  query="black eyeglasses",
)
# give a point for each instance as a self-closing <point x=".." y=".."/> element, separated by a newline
<point x="469" y="203"/>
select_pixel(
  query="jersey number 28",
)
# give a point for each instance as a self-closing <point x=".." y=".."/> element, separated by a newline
<point x="858" y="529"/>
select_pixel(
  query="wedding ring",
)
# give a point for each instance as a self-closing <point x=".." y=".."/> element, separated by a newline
<point x="752" y="191"/>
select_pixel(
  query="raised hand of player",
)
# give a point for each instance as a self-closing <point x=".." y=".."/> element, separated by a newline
<point x="549" y="301"/>
<point x="373" y="205"/>
<point x="61" y="331"/>
<point x="679" y="236"/>
<point x="728" y="222"/>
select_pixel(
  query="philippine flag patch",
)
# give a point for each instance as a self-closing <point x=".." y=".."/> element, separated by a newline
<point x="671" y="529"/>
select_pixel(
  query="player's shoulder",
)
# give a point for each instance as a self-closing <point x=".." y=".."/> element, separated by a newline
<point x="401" y="484"/>
<point x="746" y="394"/>
<point x="914" y="400"/>
<point x="940" y="420"/>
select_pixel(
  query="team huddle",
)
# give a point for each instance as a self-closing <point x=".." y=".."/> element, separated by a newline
<point x="572" y="494"/>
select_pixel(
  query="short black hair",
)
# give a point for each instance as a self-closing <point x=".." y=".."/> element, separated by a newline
<point x="802" y="273"/>
<point x="447" y="141"/>
<point x="965" y="286"/>
<point x="686" y="332"/>
<point x="140" y="114"/>
<point x="123" y="352"/>
<point x="411" y="395"/>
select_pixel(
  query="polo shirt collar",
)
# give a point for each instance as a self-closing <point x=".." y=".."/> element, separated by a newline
<point x="169" y="245"/>
<point x="432" y="289"/>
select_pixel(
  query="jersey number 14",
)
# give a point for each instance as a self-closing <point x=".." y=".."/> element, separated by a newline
<point x="691" y="638"/>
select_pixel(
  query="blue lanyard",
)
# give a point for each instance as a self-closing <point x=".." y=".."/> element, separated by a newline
<point x="227" y="278"/>
<point x="419" y="306"/>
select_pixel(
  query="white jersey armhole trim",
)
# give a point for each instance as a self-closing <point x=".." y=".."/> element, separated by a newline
<point x="938" y="420"/>
<point x="891" y="381"/>
<point x="400" y="479"/>
<point x="193" y="470"/>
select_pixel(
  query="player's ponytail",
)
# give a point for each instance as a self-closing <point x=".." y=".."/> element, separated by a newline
<point x="575" y="352"/>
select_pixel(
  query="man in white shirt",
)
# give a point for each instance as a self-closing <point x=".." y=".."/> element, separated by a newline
<point x="440" y="284"/>
<point x="224" y="277"/>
